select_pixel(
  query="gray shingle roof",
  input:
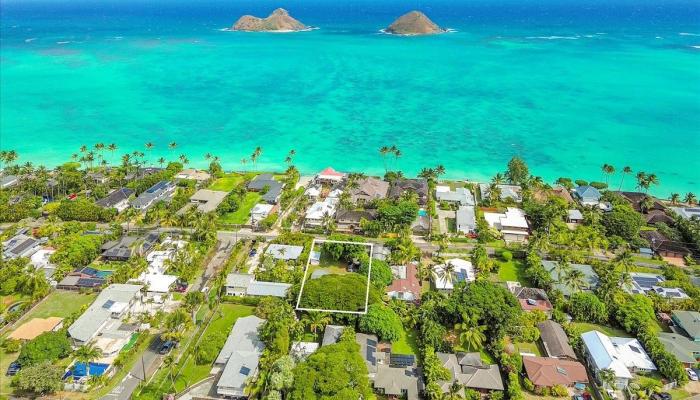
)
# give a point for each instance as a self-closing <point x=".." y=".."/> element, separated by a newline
<point x="260" y="288"/>
<point x="241" y="353"/>
<point x="92" y="320"/>
<point x="115" y="197"/>
<point x="332" y="334"/>
<point x="555" y="341"/>
<point x="284" y="251"/>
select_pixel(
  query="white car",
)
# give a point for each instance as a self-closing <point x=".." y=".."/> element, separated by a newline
<point x="691" y="374"/>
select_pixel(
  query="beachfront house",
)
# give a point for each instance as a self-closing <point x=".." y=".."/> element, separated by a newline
<point x="405" y="285"/>
<point x="624" y="356"/>
<point x="461" y="271"/>
<point x="259" y="212"/>
<point x="461" y="196"/>
<point x="191" y="174"/>
<point x="270" y="188"/>
<point x="368" y="189"/>
<point x="246" y="285"/>
<point x="686" y="212"/>
<point x="574" y="216"/>
<point x="587" y="195"/>
<point x="208" y="200"/>
<point x="239" y="358"/>
<point x="466" y="220"/>
<point x="117" y="199"/>
<point x="419" y="187"/>
<point x="329" y="176"/>
<point x="161" y="191"/>
<point x="7" y="181"/>
<point x="103" y="318"/>
<point x="469" y="370"/>
<point x="507" y="192"/>
<point x="512" y="224"/>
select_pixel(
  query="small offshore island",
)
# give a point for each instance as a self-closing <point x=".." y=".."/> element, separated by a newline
<point x="278" y="21"/>
<point x="414" y="23"/>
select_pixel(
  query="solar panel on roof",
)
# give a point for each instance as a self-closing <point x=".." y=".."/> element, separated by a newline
<point x="89" y="282"/>
<point x="245" y="371"/>
<point x="108" y="304"/>
<point x="370" y="355"/>
<point x="371" y="342"/>
<point x="401" y="360"/>
<point x="635" y="349"/>
<point x="158" y="186"/>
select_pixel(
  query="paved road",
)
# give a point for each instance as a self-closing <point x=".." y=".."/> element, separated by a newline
<point x="150" y="360"/>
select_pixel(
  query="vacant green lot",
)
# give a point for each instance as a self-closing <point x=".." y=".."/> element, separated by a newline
<point x="407" y="344"/>
<point x="60" y="303"/>
<point x="230" y="181"/>
<point x="241" y="215"/>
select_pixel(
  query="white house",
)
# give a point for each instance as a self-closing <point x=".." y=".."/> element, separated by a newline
<point x="466" y="220"/>
<point x="284" y="251"/>
<point x="463" y="271"/>
<point x="41" y="261"/>
<point x="320" y="209"/>
<point x="624" y="356"/>
<point x="329" y="175"/>
<point x="462" y="196"/>
<point x="512" y="224"/>
<point x="246" y="285"/>
<point x="260" y="212"/>
<point x="239" y="358"/>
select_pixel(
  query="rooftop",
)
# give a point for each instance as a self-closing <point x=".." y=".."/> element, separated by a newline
<point x="556" y="343"/>
<point x="545" y="371"/>
<point x="100" y="311"/>
<point x="284" y="251"/>
<point x="463" y="272"/>
<point x="618" y="354"/>
<point x="240" y="354"/>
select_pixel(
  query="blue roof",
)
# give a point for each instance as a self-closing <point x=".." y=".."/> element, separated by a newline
<point x="158" y="186"/>
<point x="588" y="192"/>
<point x="96" y="369"/>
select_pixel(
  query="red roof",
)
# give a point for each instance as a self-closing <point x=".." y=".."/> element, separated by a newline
<point x="409" y="284"/>
<point x="331" y="172"/>
<point x="545" y="371"/>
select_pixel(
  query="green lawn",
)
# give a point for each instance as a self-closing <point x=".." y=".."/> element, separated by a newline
<point x="230" y="181"/>
<point x="241" y="215"/>
<point x="451" y="225"/>
<point x="513" y="270"/>
<point x="191" y="373"/>
<point x="610" y="331"/>
<point x="407" y="344"/>
<point x="528" y="348"/>
<point x="60" y="303"/>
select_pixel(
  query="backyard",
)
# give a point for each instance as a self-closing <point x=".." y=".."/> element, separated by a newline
<point x="513" y="270"/>
<point x="241" y="215"/>
<point x="407" y="344"/>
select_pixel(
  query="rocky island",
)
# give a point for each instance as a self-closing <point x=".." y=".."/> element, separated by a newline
<point x="414" y="23"/>
<point x="278" y="21"/>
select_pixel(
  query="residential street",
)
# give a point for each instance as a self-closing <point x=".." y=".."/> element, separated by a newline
<point x="150" y="360"/>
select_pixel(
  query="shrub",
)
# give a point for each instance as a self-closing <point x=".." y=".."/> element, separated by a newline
<point x="529" y="386"/>
<point x="11" y="345"/>
<point x="559" y="391"/>
<point x="49" y="346"/>
<point x="382" y="321"/>
<point x="506" y="256"/>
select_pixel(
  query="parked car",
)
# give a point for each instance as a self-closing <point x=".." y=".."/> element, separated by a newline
<point x="253" y="252"/>
<point x="13" y="368"/>
<point x="691" y="374"/>
<point x="661" y="396"/>
<point x="167" y="346"/>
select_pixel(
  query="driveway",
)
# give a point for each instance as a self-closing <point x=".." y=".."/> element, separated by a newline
<point x="145" y="367"/>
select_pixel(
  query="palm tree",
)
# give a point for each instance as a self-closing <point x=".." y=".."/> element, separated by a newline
<point x="328" y="222"/>
<point x="561" y="268"/>
<point x="149" y="147"/>
<point x="83" y="148"/>
<point x="675" y="198"/>
<point x="498" y="179"/>
<point x="161" y="161"/>
<point x="652" y="179"/>
<point x="625" y="171"/>
<point x="471" y="335"/>
<point x="607" y="171"/>
<point x="384" y="150"/>
<point x="440" y="170"/>
<point x="575" y="280"/>
<point x="641" y="179"/>
<point x="691" y="199"/>
<point x="256" y="154"/>
<point x="87" y="354"/>
<point x="607" y="377"/>
<point x="172" y="146"/>
<point x="244" y="161"/>
<point x="290" y="157"/>
<point x="454" y="391"/>
<point x="447" y="272"/>
<point x="316" y="321"/>
<point x="112" y="147"/>
<point x="33" y="283"/>
<point x="169" y="364"/>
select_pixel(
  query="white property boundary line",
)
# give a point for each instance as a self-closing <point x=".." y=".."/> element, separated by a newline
<point x="306" y="270"/>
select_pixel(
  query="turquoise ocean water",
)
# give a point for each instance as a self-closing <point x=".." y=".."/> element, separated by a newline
<point x="567" y="85"/>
